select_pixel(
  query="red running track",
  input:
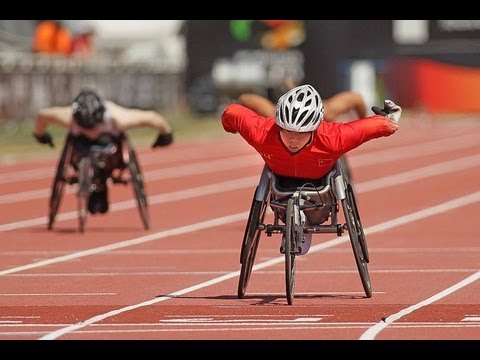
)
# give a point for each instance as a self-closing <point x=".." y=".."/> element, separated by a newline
<point x="419" y="198"/>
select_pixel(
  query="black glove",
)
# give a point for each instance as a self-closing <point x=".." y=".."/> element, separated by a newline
<point x="44" y="139"/>
<point x="377" y="110"/>
<point x="390" y="110"/>
<point x="163" y="140"/>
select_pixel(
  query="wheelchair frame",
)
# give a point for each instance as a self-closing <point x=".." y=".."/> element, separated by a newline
<point x="301" y="210"/>
<point x="87" y="171"/>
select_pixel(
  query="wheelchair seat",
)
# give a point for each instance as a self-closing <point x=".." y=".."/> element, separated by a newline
<point x="318" y="191"/>
<point x="110" y="146"/>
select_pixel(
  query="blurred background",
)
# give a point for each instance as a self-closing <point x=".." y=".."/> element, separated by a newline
<point x="190" y="69"/>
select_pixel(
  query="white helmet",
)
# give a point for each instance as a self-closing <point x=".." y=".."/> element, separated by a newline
<point x="300" y="109"/>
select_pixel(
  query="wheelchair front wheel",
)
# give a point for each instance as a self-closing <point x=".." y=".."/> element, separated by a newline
<point x="353" y="233"/>
<point x="291" y="248"/>
<point x="361" y="234"/>
<point x="59" y="181"/>
<point x="85" y="174"/>
<point x="251" y="239"/>
<point x="138" y="187"/>
<point x="345" y="168"/>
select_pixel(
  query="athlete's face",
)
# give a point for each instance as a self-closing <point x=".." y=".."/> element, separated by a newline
<point x="294" y="141"/>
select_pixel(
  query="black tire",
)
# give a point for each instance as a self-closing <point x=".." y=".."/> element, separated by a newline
<point x="85" y="174"/>
<point x="345" y="168"/>
<point x="353" y="232"/>
<point x="138" y="187"/>
<point x="359" y="227"/>
<point x="251" y="239"/>
<point x="59" y="181"/>
<point x="290" y="249"/>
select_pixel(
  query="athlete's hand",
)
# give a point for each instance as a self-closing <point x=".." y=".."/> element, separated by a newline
<point x="163" y="140"/>
<point x="44" y="139"/>
<point x="390" y="110"/>
<point x="394" y="111"/>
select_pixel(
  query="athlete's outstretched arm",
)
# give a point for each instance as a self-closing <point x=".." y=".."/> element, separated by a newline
<point x="60" y="115"/>
<point x="257" y="103"/>
<point x="127" y="118"/>
<point x="344" y="102"/>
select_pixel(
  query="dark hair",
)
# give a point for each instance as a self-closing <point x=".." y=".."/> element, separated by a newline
<point x="88" y="109"/>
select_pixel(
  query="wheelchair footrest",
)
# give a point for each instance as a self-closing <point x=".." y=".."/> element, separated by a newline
<point x="326" y="229"/>
<point x="72" y="180"/>
<point x="282" y="250"/>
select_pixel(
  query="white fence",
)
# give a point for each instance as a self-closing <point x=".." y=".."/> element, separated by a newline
<point x="29" y="82"/>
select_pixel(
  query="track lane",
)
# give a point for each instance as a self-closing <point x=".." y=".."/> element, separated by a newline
<point x="213" y="301"/>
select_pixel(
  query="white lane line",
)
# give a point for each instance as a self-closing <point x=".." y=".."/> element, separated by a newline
<point x="153" y="273"/>
<point x="173" y="155"/>
<point x="208" y="321"/>
<point x="249" y="328"/>
<point x="153" y="175"/>
<point x="380" y="183"/>
<point x="405" y="152"/>
<point x="304" y="293"/>
<point x="152" y="200"/>
<point x="376" y="157"/>
<point x="420" y="173"/>
<point x="373" y="331"/>
<point x="245" y="322"/>
<point x="58" y="294"/>
<point x="471" y="318"/>
<point x="244" y="315"/>
<point x="447" y="206"/>
<point x="204" y="167"/>
<point x="449" y="250"/>
<point x="264" y="272"/>
<point x="399" y="152"/>
<point x="171" y="328"/>
<point x="136" y="241"/>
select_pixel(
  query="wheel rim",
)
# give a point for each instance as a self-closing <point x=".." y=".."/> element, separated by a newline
<point x="356" y="247"/>
<point x="250" y="244"/>
<point x="358" y="223"/>
<point x="139" y="189"/>
<point x="290" y="251"/>
<point x="59" y="181"/>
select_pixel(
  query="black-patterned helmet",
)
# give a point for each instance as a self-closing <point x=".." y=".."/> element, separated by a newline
<point x="88" y="109"/>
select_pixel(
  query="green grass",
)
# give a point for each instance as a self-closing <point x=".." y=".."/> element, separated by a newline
<point x="16" y="140"/>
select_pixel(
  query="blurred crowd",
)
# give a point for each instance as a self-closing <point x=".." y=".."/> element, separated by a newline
<point x="63" y="37"/>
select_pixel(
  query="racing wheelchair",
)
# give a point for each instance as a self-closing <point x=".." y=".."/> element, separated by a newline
<point x="309" y="208"/>
<point x="93" y="169"/>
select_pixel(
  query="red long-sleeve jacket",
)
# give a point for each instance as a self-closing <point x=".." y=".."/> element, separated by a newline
<point x="330" y="141"/>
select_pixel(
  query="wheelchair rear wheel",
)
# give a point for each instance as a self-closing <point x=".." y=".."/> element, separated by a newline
<point x="138" y="186"/>
<point x="251" y="239"/>
<point x="291" y="248"/>
<point x="59" y="181"/>
<point x="353" y="227"/>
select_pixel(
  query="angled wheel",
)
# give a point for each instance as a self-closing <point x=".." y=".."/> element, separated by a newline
<point x="85" y="176"/>
<point x="361" y="234"/>
<point x="292" y="232"/>
<point x="353" y="232"/>
<point x="251" y="239"/>
<point x="138" y="187"/>
<point x="59" y="181"/>
<point x="345" y="168"/>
